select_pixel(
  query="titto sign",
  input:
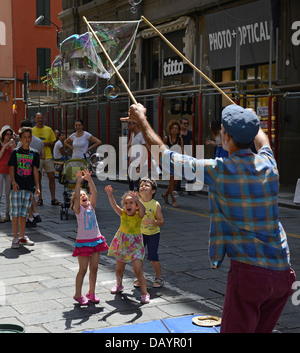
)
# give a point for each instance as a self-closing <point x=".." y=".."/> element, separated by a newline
<point x="175" y="66"/>
<point x="251" y="23"/>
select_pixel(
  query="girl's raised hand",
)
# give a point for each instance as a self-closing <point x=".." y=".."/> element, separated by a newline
<point x="87" y="175"/>
<point x="135" y="196"/>
<point x="79" y="176"/>
<point x="109" y="190"/>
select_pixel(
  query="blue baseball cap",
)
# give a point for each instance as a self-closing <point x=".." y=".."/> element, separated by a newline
<point x="241" y="124"/>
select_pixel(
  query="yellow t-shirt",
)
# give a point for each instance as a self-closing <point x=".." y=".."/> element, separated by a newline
<point x="46" y="134"/>
<point x="150" y="213"/>
<point x="130" y="224"/>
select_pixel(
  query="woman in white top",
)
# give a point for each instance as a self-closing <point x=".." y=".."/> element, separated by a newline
<point x="80" y="141"/>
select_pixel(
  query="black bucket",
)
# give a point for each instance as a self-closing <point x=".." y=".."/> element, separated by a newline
<point x="10" y="328"/>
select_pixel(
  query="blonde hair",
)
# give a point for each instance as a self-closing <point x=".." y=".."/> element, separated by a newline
<point x="124" y="197"/>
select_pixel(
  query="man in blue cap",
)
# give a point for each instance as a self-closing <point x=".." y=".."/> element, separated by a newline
<point x="244" y="224"/>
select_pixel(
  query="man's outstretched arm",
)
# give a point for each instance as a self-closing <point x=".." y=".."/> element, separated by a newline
<point x="261" y="139"/>
<point x="137" y="113"/>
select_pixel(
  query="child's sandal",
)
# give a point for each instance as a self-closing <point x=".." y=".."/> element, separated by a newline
<point x="93" y="298"/>
<point x="117" y="289"/>
<point x="145" y="298"/>
<point x="158" y="283"/>
<point x="82" y="300"/>
<point x="136" y="283"/>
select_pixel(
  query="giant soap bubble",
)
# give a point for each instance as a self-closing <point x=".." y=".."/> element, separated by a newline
<point x="117" y="39"/>
<point x="74" y="70"/>
<point x="82" y="60"/>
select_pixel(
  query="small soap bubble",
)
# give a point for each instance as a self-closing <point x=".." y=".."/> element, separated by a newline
<point x="133" y="10"/>
<point x="111" y="91"/>
<point x="134" y="2"/>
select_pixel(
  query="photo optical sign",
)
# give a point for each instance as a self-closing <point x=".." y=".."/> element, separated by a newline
<point x="252" y="23"/>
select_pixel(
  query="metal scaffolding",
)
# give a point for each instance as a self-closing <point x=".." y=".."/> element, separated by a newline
<point x="60" y="106"/>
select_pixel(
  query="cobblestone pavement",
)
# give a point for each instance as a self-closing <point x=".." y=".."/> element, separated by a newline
<point x="37" y="283"/>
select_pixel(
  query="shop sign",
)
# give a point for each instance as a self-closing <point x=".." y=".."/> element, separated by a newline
<point x="250" y="23"/>
<point x="175" y="66"/>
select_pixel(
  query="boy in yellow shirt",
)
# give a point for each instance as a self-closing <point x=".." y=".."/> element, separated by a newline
<point x="150" y="227"/>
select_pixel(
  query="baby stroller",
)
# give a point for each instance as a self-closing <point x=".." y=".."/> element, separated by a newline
<point x="68" y="179"/>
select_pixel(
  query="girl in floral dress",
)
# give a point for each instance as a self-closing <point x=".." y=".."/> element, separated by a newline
<point x="127" y="245"/>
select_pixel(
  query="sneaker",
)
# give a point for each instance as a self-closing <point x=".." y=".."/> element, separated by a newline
<point x="116" y="289"/>
<point x="15" y="243"/>
<point x="37" y="219"/>
<point x="25" y="241"/>
<point x="30" y="224"/>
<point x="145" y="298"/>
<point x="93" y="298"/>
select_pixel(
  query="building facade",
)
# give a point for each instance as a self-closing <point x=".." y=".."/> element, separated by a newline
<point x="26" y="51"/>
<point x="251" y="49"/>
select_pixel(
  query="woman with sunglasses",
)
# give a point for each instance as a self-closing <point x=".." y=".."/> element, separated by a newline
<point x="7" y="144"/>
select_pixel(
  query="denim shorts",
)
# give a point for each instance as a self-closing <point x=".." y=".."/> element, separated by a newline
<point x="151" y="242"/>
<point x="20" y="203"/>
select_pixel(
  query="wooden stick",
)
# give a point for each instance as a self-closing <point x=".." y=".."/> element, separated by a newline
<point x="111" y="62"/>
<point x="186" y="60"/>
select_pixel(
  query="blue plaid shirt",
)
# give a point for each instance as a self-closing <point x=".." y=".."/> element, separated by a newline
<point x="243" y="201"/>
